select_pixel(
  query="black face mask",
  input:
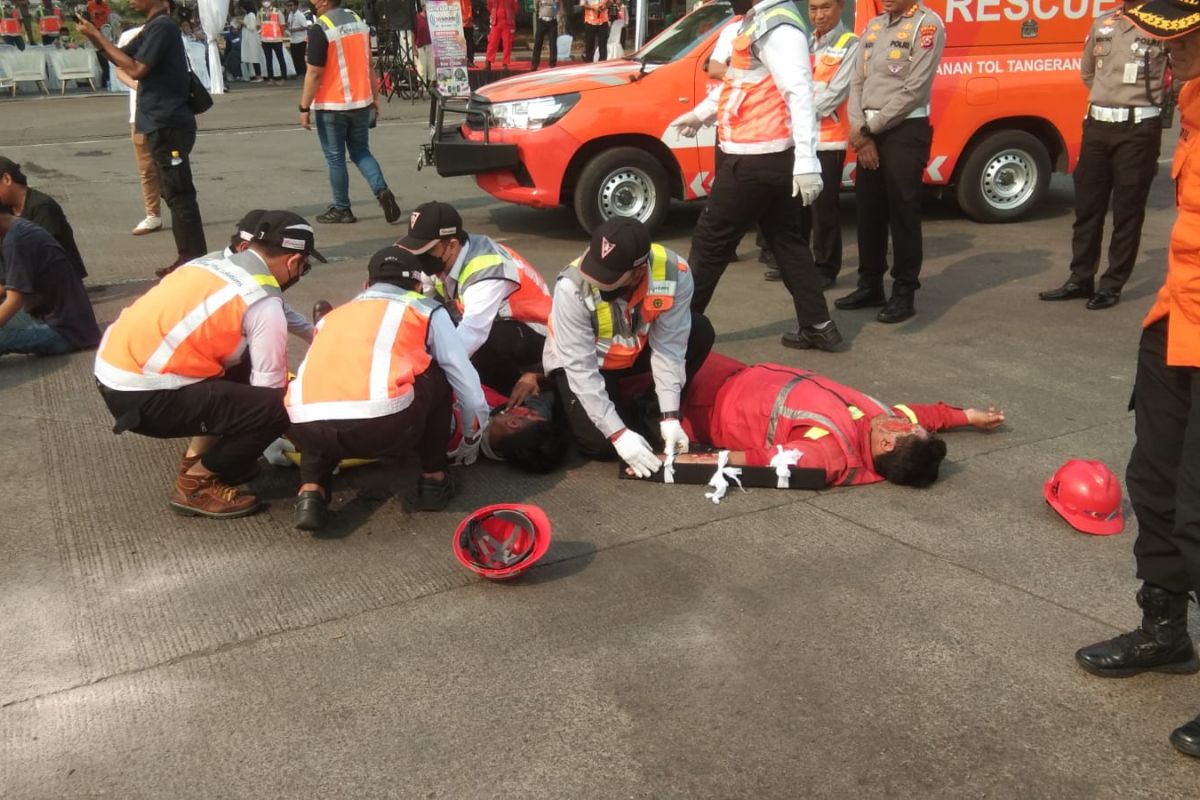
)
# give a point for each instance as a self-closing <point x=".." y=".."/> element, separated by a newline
<point x="609" y="295"/>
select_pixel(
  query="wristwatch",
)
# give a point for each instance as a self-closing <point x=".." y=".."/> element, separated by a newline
<point x="304" y="110"/>
<point x="865" y="130"/>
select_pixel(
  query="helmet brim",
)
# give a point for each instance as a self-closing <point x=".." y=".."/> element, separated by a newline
<point x="1095" y="527"/>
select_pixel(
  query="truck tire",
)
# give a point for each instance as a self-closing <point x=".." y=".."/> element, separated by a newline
<point x="1004" y="178"/>
<point x="622" y="182"/>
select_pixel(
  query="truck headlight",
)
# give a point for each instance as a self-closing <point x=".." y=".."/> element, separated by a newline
<point x="534" y="114"/>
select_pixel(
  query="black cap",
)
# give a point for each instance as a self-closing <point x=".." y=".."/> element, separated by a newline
<point x="289" y="231"/>
<point x="619" y="244"/>
<point x="1166" y="19"/>
<point x="248" y="225"/>
<point x="429" y="224"/>
<point x="392" y="264"/>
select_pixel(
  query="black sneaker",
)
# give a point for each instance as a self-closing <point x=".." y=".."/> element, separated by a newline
<point x="436" y="495"/>
<point x="387" y="201"/>
<point x="335" y="216"/>
<point x="310" y="511"/>
<point x="813" y="338"/>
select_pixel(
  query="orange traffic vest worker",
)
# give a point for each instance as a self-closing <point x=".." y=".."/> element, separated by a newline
<point x="1163" y="475"/>
<point x="620" y="310"/>
<point x="377" y="383"/>
<point x="595" y="30"/>
<point x="502" y="301"/>
<point x="204" y="354"/>
<point x="49" y="23"/>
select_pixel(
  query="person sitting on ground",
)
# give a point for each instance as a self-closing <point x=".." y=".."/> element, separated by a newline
<point x="377" y="383"/>
<point x="45" y="310"/>
<point x="164" y="370"/>
<point x="754" y="411"/>
<point x="503" y="302"/>
<point x="40" y="209"/>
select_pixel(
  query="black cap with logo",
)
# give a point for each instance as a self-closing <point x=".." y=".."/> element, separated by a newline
<point x="619" y="244"/>
<point x="287" y="230"/>
<point x="429" y="224"/>
<point x="393" y="264"/>
<point x="248" y="224"/>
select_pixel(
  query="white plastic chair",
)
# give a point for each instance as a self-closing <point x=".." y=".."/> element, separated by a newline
<point x="73" y="65"/>
<point x="27" y="66"/>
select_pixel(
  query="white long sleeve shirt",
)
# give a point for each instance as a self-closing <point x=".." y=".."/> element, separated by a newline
<point x="447" y="350"/>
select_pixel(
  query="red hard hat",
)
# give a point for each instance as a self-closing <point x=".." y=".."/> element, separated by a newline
<point x="502" y="541"/>
<point x="1088" y="496"/>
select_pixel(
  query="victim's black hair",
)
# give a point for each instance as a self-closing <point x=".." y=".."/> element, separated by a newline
<point x="915" y="461"/>
<point x="538" y="447"/>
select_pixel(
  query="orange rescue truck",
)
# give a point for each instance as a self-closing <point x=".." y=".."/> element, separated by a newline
<point x="1008" y="108"/>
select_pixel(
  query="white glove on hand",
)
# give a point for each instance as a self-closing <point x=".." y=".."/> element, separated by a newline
<point x="688" y="124"/>
<point x="467" y="451"/>
<point x="274" y="454"/>
<point x="807" y="187"/>
<point x="674" y="439"/>
<point x="635" y="451"/>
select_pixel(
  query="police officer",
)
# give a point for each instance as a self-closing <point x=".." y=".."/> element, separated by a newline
<point x="1122" y="136"/>
<point x="890" y="130"/>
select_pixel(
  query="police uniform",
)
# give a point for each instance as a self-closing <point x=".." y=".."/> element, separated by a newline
<point x="889" y="103"/>
<point x="1118" y="158"/>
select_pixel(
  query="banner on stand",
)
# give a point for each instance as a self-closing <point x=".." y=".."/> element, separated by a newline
<point x="449" y="47"/>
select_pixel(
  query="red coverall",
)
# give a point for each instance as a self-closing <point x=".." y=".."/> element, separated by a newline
<point x="504" y="22"/>
<point x="731" y="405"/>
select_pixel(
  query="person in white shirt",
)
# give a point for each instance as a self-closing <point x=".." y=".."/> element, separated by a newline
<point x="252" y="49"/>
<point x="151" y="195"/>
<point x="298" y="23"/>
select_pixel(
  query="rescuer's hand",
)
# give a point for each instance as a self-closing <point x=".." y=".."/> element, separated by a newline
<point x="807" y="187"/>
<point x="635" y="451"/>
<point x="688" y="124"/>
<point x="674" y="439"/>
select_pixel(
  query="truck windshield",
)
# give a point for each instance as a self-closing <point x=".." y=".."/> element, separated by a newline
<point x="685" y="35"/>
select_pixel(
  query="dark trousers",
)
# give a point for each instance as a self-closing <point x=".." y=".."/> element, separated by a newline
<point x="512" y="349"/>
<point x="244" y="418"/>
<point x="545" y="28"/>
<point x="1164" y="469"/>
<point x="469" y="34"/>
<point x="750" y="189"/>
<point x="299" y="53"/>
<point x="15" y="41"/>
<point x="423" y="426"/>
<point x="826" y="228"/>
<point x="889" y="201"/>
<point x="275" y="49"/>
<point x="595" y="42"/>
<point x="633" y="410"/>
<point x="168" y="146"/>
<point x="1117" y="162"/>
<point x="103" y="71"/>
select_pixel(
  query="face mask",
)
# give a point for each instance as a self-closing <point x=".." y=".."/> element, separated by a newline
<point x="610" y="295"/>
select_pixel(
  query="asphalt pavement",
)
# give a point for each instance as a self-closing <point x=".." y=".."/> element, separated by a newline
<point x="864" y="642"/>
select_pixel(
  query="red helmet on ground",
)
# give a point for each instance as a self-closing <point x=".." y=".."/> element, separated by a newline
<point x="502" y="541"/>
<point x="1088" y="496"/>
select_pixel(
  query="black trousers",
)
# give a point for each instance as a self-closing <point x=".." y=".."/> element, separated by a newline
<point x="423" y="426"/>
<point x="299" y="52"/>
<point x="244" y="418"/>
<point x="168" y="146"/>
<point x="889" y="201"/>
<point x="469" y="34"/>
<point x="103" y="71"/>
<point x="595" y="42"/>
<point x="275" y="49"/>
<point x="1164" y="469"/>
<point x="826" y="228"/>
<point x="1117" y="163"/>
<point x="545" y="28"/>
<point x="636" y="412"/>
<point x="750" y="189"/>
<point x="15" y="41"/>
<point x="512" y="349"/>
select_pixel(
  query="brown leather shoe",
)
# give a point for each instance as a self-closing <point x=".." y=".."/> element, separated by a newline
<point x="209" y="497"/>
<point x="186" y="462"/>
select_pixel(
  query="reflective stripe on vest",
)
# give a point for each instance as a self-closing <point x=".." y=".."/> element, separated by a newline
<point x="596" y="15"/>
<point x="834" y="130"/>
<point x="346" y="82"/>
<point x="49" y="24"/>
<point x="10" y="26"/>
<point x="364" y="358"/>
<point x="751" y="110"/>
<point x="486" y="259"/>
<point x="908" y="412"/>
<point x="272" y="30"/>
<point x="186" y="329"/>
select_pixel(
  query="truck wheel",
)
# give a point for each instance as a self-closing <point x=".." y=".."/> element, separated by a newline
<point x="1004" y="178"/>
<point x="622" y="182"/>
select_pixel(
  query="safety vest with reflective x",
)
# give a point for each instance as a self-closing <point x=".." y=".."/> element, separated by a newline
<point x="622" y="326"/>
<point x="346" y="81"/>
<point x="186" y="329"/>
<point x="485" y="259"/>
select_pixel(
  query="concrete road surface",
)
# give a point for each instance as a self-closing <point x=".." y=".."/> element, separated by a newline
<point x="869" y="642"/>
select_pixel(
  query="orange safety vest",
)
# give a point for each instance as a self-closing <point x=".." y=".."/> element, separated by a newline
<point x="50" y="24"/>
<point x="272" y="29"/>
<point x="834" y="130"/>
<point x="186" y="329"/>
<point x="751" y="111"/>
<point x="11" y="26"/>
<point x="364" y="357"/>
<point x="346" y="82"/>
<point x="622" y="327"/>
<point x="468" y="13"/>
<point x="1179" y="298"/>
<point x="485" y="259"/>
<point x="596" y="14"/>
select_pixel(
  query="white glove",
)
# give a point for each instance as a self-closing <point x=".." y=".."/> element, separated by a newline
<point x="274" y="454"/>
<point x="807" y="187"/>
<point x="467" y="451"/>
<point x="635" y="451"/>
<point x="688" y="124"/>
<point x="674" y="439"/>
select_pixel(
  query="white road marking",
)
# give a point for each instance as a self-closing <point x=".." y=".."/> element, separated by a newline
<point x="206" y="134"/>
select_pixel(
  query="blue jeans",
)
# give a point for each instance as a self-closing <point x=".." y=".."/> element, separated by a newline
<point x="340" y="131"/>
<point x="24" y="334"/>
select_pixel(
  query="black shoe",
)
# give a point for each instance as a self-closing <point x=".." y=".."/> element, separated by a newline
<point x="436" y="495"/>
<point x="811" y="337"/>
<point x="310" y="511"/>
<point x="1105" y="298"/>
<point x="335" y="216"/>
<point x="898" y="309"/>
<point x="862" y="297"/>
<point x="1187" y="738"/>
<point x="387" y="201"/>
<point x="1068" y="291"/>
<point x="1161" y="644"/>
<point x="772" y="275"/>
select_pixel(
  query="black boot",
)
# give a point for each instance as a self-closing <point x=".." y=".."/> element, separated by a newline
<point x="1187" y="738"/>
<point x="1161" y="644"/>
